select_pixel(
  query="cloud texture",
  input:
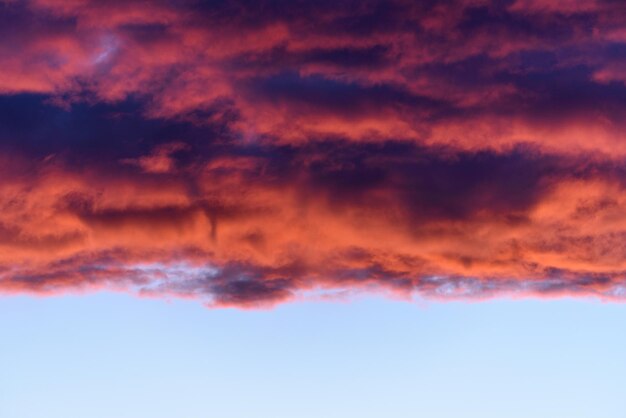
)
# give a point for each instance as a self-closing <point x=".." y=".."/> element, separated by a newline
<point x="251" y="153"/>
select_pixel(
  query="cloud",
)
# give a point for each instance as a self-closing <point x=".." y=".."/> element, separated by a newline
<point x="252" y="154"/>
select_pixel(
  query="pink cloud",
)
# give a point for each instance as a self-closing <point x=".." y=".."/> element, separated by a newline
<point x="247" y="155"/>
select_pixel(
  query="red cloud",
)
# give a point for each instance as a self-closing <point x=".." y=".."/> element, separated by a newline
<point x="250" y="154"/>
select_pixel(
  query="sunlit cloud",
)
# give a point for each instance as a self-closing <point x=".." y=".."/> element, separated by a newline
<point x="246" y="155"/>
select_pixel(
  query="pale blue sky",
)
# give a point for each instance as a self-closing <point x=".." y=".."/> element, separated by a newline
<point x="113" y="356"/>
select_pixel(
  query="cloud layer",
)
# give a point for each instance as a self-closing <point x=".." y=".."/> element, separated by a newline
<point x="250" y="153"/>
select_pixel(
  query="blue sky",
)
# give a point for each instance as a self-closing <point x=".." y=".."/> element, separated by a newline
<point x="110" y="355"/>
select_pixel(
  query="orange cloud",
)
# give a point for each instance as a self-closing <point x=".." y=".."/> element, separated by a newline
<point x="250" y="154"/>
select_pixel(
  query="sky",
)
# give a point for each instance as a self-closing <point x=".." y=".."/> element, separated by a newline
<point x="109" y="355"/>
<point x="232" y="165"/>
